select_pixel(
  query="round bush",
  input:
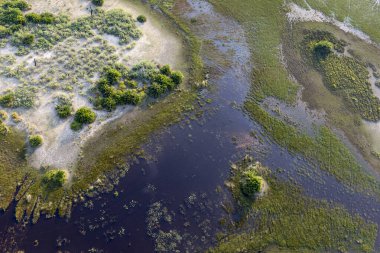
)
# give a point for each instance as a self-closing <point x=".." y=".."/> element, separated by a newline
<point x="323" y="48"/>
<point x="63" y="110"/>
<point x="141" y="19"/>
<point x="177" y="77"/>
<point x="85" y="115"/>
<point x="35" y="141"/>
<point x="251" y="184"/>
<point x="54" y="179"/>
<point x="113" y="76"/>
<point x="98" y="2"/>
<point x="4" y="32"/>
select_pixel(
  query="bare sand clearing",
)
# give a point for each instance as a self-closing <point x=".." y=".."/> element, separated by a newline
<point x="62" y="146"/>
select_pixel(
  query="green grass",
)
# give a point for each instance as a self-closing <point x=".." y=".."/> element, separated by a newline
<point x="264" y="22"/>
<point x="363" y="15"/>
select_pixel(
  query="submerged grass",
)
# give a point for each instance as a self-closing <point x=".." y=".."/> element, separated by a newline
<point x="264" y="22"/>
<point x="326" y="149"/>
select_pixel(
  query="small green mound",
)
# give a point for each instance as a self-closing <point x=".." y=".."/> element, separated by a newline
<point x="83" y="116"/>
<point x="251" y="184"/>
<point x="54" y="179"/>
<point x="322" y="48"/>
<point x="141" y="19"/>
<point x="35" y="141"/>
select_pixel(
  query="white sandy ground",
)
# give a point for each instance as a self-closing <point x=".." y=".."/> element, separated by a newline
<point x="299" y="14"/>
<point x="62" y="146"/>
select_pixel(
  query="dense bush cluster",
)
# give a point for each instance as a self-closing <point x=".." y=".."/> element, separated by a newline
<point x="120" y="86"/>
<point x="54" y="179"/>
<point x="43" y="18"/>
<point x="345" y="76"/>
<point x="35" y="141"/>
<point x="113" y="90"/>
<point x="83" y="116"/>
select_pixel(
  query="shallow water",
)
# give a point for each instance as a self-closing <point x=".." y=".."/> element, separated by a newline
<point x="190" y="161"/>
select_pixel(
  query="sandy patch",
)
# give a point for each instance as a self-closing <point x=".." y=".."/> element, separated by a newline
<point x="62" y="146"/>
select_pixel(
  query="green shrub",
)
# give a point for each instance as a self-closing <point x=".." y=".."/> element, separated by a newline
<point x="3" y="129"/>
<point x="64" y="107"/>
<point x="250" y="184"/>
<point x="47" y="18"/>
<point x="18" y="4"/>
<point x="165" y="81"/>
<point x="27" y="39"/>
<point x="133" y="97"/>
<point x="156" y="90"/>
<point x="98" y="2"/>
<point x="33" y="17"/>
<point x="4" y="32"/>
<point x="141" y="19"/>
<point x="112" y="75"/>
<point x="12" y="16"/>
<point x="35" y="141"/>
<point x="322" y="48"/>
<point x="76" y="126"/>
<point x="131" y="84"/>
<point x="85" y="115"/>
<point x="108" y="103"/>
<point x="165" y="70"/>
<point x="54" y="179"/>
<point x="177" y="77"/>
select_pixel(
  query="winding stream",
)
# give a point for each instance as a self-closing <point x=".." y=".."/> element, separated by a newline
<point x="192" y="160"/>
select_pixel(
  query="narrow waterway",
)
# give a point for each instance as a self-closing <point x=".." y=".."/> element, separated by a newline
<point x="184" y="184"/>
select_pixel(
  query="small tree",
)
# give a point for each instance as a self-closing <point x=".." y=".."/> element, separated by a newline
<point x="112" y="75"/>
<point x="54" y="179"/>
<point x="98" y="2"/>
<point x="323" y="48"/>
<point x="141" y="19"/>
<point x="85" y="115"/>
<point x="177" y="77"/>
<point x="251" y="184"/>
<point x="35" y="141"/>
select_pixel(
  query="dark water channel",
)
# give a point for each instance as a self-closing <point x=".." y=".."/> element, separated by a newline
<point x="183" y="186"/>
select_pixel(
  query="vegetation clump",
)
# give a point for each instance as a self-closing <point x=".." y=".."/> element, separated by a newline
<point x="54" y="179"/>
<point x="251" y="184"/>
<point x="322" y="48"/>
<point x="141" y="19"/>
<point x="98" y="2"/>
<point x="83" y="116"/>
<point x="35" y="141"/>
<point x="3" y="129"/>
<point x="64" y="107"/>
